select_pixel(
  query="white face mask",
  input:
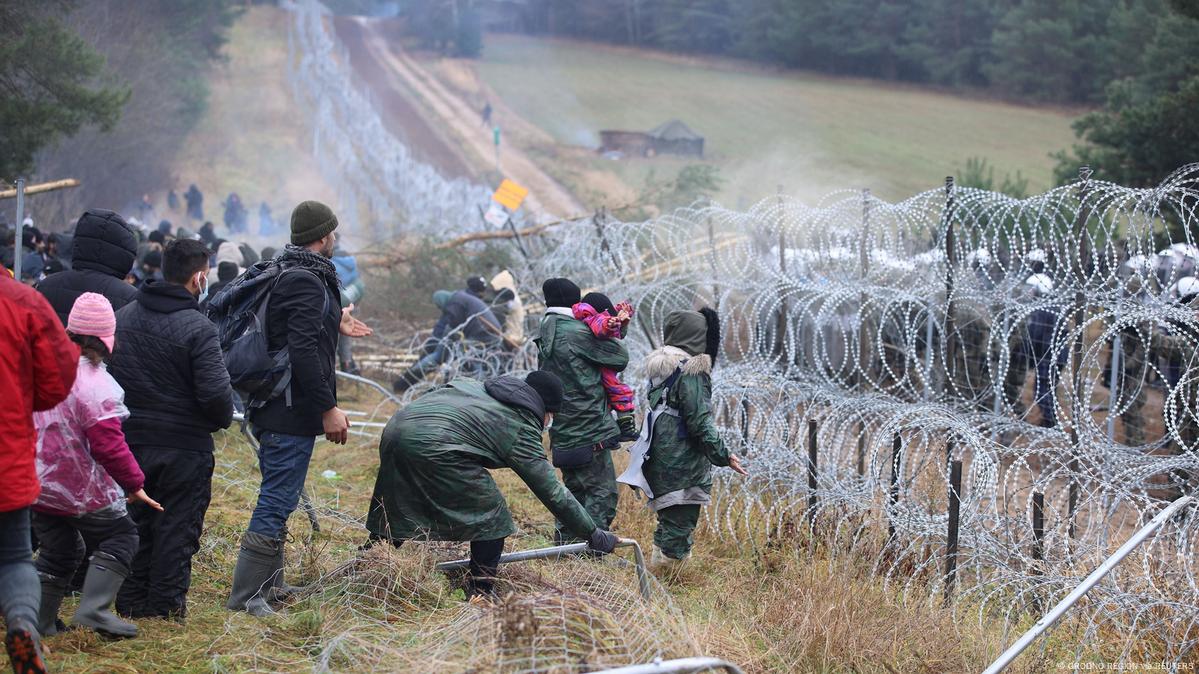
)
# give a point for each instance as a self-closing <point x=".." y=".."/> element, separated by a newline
<point x="202" y="283"/>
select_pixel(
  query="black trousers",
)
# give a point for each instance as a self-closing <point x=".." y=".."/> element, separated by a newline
<point x="484" y="564"/>
<point x="162" y="568"/>
<point x="62" y="540"/>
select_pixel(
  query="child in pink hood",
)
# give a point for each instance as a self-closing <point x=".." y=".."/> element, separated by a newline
<point x="611" y="322"/>
<point x="86" y="470"/>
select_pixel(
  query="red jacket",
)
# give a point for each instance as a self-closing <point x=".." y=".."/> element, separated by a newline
<point x="37" y="369"/>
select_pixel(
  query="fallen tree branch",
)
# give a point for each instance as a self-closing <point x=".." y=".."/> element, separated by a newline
<point x="40" y="187"/>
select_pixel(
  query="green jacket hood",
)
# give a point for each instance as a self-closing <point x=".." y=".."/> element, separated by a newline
<point x="515" y="393"/>
<point x="687" y="330"/>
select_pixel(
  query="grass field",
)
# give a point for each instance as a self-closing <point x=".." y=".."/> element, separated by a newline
<point x="766" y="608"/>
<point x="251" y="140"/>
<point x="809" y="134"/>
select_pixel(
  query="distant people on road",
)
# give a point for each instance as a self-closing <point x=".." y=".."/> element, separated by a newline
<point x="235" y="214"/>
<point x="487" y="113"/>
<point x="103" y="252"/>
<point x="266" y="221"/>
<point x="195" y="202"/>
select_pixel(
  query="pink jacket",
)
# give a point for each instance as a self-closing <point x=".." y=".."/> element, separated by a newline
<point x="83" y="461"/>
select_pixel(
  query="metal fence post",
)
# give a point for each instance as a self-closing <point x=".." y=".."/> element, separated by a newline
<point x="951" y="541"/>
<point x="18" y="247"/>
<point x="1038" y="527"/>
<point x="896" y="465"/>
<point x="1080" y="306"/>
<point x="812" y="452"/>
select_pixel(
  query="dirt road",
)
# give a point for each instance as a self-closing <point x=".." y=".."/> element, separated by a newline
<point x="449" y="130"/>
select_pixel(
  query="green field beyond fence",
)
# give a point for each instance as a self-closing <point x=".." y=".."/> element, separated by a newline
<point x="811" y="134"/>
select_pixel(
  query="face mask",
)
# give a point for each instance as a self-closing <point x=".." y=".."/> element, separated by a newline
<point x="204" y="290"/>
<point x="549" y="424"/>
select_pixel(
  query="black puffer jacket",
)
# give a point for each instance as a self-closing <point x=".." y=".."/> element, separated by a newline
<point x="102" y="252"/>
<point x="169" y="362"/>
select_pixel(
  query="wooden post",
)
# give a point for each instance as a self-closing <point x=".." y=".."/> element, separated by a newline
<point x="812" y="473"/>
<point x="951" y="541"/>
<point x="896" y="466"/>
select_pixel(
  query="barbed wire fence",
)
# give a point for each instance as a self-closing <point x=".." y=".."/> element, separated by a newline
<point x="985" y="395"/>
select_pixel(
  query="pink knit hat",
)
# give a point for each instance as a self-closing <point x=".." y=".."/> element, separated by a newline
<point x="92" y="315"/>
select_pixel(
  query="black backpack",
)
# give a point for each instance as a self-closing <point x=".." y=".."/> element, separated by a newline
<point x="239" y="311"/>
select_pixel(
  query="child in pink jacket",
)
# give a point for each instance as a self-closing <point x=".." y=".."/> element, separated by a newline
<point x="611" y="322"/>
<point x="86" y="471"/>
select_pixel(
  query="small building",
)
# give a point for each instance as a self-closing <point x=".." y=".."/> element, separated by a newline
<point x="673" y="137"/>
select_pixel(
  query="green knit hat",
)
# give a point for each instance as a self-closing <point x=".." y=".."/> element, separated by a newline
<point x="310" y="221"/>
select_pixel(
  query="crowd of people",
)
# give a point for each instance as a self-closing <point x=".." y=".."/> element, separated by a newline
<point x="118" y="381"/>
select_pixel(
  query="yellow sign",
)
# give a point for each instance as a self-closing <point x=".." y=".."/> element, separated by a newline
<point x="510" y="195"/>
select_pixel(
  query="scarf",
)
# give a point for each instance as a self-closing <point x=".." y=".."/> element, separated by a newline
<point x="298" y="256"/>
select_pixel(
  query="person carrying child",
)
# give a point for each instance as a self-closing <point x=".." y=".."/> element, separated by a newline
<point x="611" y="322"/>
<point x="86" y="470"/>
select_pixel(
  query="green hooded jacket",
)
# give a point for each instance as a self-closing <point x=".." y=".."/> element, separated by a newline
<point x="567" y="348"/>
<point x="433" y="482"/>
<point x="679" y="469"/>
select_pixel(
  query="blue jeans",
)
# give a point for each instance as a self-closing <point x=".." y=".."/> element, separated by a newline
<point x="20" y="590"/>
<point x="283" y="460"/>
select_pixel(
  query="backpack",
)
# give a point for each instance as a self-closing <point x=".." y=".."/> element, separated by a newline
<point x="240" y="313"/>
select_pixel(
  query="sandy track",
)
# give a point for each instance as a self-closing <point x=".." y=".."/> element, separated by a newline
<point x="547" y="198"/>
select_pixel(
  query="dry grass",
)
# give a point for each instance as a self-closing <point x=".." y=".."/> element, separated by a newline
<point x="770" y="609"/>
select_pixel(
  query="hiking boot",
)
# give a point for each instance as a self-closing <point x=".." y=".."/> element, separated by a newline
<point x="661" y="563"/>
<point x="53" y="590"/>
<point x="628" y="428"/>
<point x="24" y="648"/>
<point x="104" y="577"/>
<point x="253" y="578"/>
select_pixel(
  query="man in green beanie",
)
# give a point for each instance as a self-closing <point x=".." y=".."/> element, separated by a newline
<point x="585" y="432"/>
<point x="434" y="456"/>
<point x="679" y="442"/>
<point x="305" y="317"/>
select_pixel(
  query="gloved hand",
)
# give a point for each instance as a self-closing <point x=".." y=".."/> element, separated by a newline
<point x="628" y="427"/>
<point x="602" y="541"/>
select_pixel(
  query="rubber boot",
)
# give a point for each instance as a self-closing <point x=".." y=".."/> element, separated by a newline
<point x="254" y="575"/>
<point x="281" y="590"/>
<point x="661" y="563"/>
<point x="104" y="577"/>
<point x="24" y="648"/>
<point x="53" y="590"/>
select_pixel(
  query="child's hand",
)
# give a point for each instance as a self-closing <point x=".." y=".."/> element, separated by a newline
<point x="140" y="495"/>
<point x="624" y="311"/>
<point x="612" y="322"/>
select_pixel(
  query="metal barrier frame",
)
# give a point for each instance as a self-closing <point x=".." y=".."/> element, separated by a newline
<point x="1055" y="614"/>
<point x="679" y="666"/>
<point x="560" y="551"/>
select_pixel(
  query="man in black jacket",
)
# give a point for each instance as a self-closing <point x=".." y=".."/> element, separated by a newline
<point x="103" y="251"/>
<point x="178" y="393"/>
<point x="304" y="317"/>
